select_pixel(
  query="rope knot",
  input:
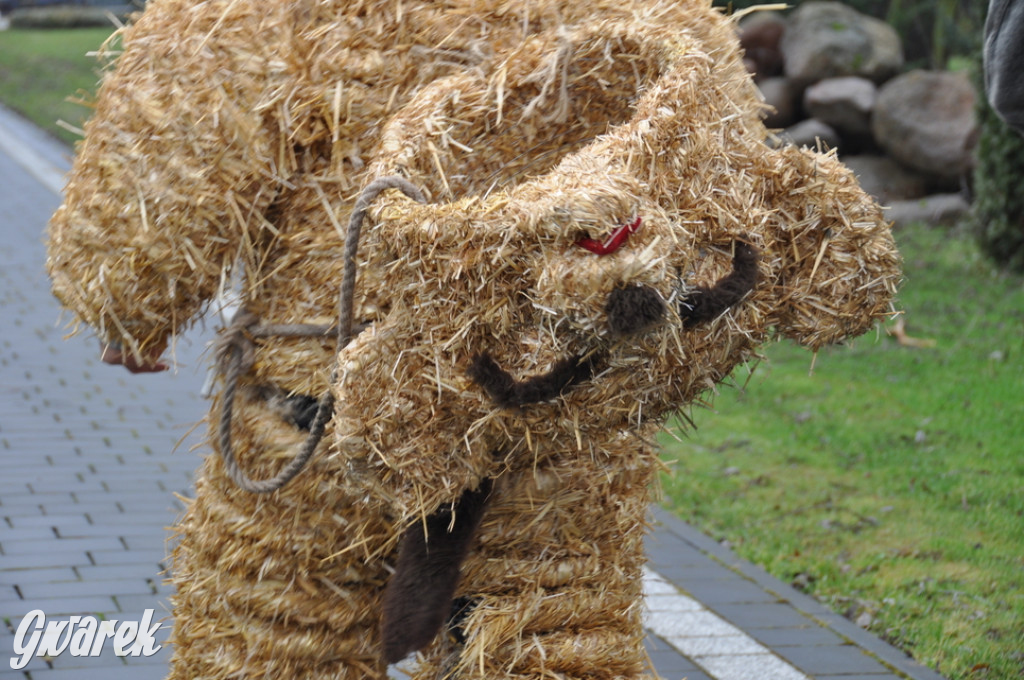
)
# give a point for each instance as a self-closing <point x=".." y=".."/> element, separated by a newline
<point x="235" y="344"/>
<point x="236" y="351"/>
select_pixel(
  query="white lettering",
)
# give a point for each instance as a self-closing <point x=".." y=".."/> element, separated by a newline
<point x="146" y="644"/>
<point x="82" y="636"/>
<point x="107" y="630"/>
<point x="81" y="641"/>
<point x="51" y="644"/>
<point x="126" y="634"/>
<point x="27" y="650"/>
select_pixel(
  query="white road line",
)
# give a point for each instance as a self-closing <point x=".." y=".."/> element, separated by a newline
<point x="49" y="175"/>
<point x="724" y="651"/>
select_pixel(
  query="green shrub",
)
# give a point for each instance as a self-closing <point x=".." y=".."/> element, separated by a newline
<point x="66" y="16"/>
<point x="998" y="212"/>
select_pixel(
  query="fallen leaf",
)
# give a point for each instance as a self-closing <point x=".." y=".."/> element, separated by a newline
<point x="898" y="330"/>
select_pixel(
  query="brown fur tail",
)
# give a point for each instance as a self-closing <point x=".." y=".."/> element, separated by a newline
<point x="418" y="598"/>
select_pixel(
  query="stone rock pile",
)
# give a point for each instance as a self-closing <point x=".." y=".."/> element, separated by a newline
<point x="835" y="77"/>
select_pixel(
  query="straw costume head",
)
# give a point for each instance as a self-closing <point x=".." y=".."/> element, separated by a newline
<point x="603" y="236"/>
<point x="605" y="219"/>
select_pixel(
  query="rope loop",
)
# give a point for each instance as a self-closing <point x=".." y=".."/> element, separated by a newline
<point x="236" y="349"/>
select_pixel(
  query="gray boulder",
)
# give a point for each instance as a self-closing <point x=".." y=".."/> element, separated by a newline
<point x="926" y="120"/>
<point x="830" y="39"/>
<point x="780" y="94"/>
<point x="944" y="210"/>
<point x="810" y="133"/>
<point x="844" y="103"/>
<point x="885" y="179"/>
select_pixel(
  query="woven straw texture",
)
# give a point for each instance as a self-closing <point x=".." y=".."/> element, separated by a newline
<point x="229" y="142"/>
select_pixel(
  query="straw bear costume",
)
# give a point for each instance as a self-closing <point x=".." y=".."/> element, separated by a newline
<point x="604" y="237"/>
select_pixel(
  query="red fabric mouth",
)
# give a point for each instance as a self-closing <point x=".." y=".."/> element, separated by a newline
<point x="613" y="242"/>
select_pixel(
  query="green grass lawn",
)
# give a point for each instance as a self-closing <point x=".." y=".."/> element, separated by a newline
<point x="890" y="482"/>
<point x="41" y="69"/>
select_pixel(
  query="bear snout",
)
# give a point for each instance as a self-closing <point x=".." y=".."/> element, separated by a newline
<point x="633" y="309"/>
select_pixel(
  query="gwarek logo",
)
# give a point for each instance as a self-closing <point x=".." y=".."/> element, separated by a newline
<point x="82" y="636"/>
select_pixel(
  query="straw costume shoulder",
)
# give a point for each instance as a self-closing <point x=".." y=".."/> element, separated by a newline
<point x="603" y="236"/>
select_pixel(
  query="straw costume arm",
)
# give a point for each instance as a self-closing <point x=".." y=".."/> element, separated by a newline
<point x="170" y="185"/>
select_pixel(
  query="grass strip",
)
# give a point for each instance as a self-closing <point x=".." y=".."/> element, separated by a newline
<point x="47" y="75"/>
<point x="890" y="482"/>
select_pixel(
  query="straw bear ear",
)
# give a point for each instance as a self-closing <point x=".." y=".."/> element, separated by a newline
<point x="837" y="264"/>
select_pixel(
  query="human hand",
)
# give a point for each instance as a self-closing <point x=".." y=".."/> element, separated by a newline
<point x="116" y="356"/>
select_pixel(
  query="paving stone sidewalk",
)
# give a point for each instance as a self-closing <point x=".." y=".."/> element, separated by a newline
<point x="92" y="461"/>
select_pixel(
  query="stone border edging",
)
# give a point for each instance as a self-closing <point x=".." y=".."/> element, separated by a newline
<point x="895" y="658"/>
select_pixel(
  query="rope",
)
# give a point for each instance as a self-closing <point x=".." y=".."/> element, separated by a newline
<point x="355" y="224"/>
<point x="236" y="348"/>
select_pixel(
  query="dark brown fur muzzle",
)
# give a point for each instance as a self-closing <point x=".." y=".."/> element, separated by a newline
<point x="630" y="310"/>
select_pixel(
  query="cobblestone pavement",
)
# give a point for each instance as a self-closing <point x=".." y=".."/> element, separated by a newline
<point x="92" y="461"/>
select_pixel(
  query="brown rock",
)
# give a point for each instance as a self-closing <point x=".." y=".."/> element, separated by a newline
<point x="760" y="35"/>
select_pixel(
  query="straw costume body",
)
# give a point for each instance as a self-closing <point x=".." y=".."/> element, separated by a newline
<point x="605" y="236"/>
